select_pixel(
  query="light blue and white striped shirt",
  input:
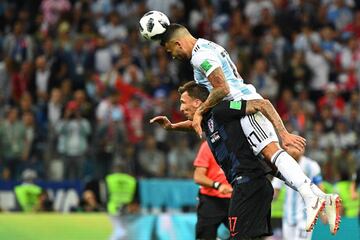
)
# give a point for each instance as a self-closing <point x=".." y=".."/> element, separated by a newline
<point x="206" y="57"/>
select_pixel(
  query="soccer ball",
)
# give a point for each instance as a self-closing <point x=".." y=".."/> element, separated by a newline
<point x="153" y="24"/>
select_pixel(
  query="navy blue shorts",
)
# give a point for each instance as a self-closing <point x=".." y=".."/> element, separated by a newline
<point x="250" y="209"/>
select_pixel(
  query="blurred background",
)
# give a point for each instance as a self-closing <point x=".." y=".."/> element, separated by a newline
<point x="78" y="86"/>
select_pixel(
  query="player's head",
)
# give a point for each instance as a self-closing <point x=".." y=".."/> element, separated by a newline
<point x="192" y="96"/>
<point x="176" y="41"/>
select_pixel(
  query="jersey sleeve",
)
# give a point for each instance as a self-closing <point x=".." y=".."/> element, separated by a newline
<point x="205" y="61"/>
<point x="229" y="110"/>
<point x="203" y="157"/>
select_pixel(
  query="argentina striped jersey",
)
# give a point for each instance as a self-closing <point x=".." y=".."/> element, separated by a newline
<point x="206" y="57"/>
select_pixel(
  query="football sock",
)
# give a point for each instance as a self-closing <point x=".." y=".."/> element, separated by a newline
<point x="317" y="191"/>
<point x="281" y="177"/>
<point x="293" y="173"/>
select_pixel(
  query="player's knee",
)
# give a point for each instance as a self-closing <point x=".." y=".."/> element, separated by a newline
<point x="270" y="150"/>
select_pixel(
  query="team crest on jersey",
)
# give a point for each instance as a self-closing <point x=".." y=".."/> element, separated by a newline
<point x="211" y="125"/>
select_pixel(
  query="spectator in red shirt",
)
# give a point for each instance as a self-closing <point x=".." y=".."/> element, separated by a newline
<point x="134" y="118"/>
<point x="331" y="98"/>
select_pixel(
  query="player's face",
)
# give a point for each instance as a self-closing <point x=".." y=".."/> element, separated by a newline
<point x="188" y="105"/>
<point x="175" y="49"/>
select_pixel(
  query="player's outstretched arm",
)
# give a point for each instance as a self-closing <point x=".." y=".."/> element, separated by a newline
<point x="168" y="125"/>
<point x="266" y="108"/>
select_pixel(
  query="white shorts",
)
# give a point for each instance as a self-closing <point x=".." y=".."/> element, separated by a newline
<point x="295" y="232"/>
<point x="259" y="131"/>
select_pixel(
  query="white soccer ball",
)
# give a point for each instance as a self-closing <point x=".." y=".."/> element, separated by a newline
<point x="153" y="24"/>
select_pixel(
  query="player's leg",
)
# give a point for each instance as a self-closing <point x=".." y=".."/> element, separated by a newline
<point x="210" y="213"/>
<point x="332" y="206"/>
<point x="205" y="231"/>
<point x="118" y="228"/>
<point x="250" y="209"/>
<point x="263" y="139"/>
<point x="300" y="231"/>
<point x="288" y="231"/>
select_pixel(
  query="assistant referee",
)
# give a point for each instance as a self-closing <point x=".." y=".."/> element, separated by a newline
<point x="214" y="194"/>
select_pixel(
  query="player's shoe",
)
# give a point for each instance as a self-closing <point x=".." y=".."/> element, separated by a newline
<point x="332" y="210"/>
<point x="313" y="208"/>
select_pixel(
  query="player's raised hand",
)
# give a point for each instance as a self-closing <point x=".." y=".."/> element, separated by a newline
<point x="163" y="121"/>
<point x="196" y="123"/>
<point x="289" y="139"/>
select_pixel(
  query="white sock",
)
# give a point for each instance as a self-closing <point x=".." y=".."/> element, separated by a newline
<point x="293" y="173"/>
<point x="317" y="191"/>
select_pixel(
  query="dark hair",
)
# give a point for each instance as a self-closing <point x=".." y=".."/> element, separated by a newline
<point x="169" y="33"/>
<point x="194" y="90"/>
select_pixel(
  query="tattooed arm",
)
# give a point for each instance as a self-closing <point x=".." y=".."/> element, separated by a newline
<point x="265" y="107"/>
<point x="220" y="90"/>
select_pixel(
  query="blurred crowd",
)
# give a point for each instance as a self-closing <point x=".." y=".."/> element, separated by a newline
<point x="78" y="84"/>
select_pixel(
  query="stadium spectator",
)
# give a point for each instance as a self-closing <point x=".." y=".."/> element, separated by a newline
<point x="320" y="68"/>
<point x="77" y="59"/>
<point x="52" y="11"/>
<point x="296" y="76"/>
<point x="45" y="203"/>
<point x="339" y="13"/>
<point x="332" y="98"/>
<point x="5" y="85"/>
<point x="28" y="120"/>
<point x="40" y="82"/>
<point x="20" y="79"/>
<point x="180" y="158"/>
<point x="85" y="106"/>
<point x="18" y="45"/>
<point x="12" y="140"/>
<point x="73" y="131"/>
<point x="262" y="79"/>
<point x="354" y="26"/>
<point x="89" y="203"/>
<point x="110" y="132"/>
<point x="151" y="160"/>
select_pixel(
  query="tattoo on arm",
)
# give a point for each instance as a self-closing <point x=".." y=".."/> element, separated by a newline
<point x="220" y="90"/>
<point x="266" y="108"/>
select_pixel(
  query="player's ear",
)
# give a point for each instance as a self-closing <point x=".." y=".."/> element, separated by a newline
<point x="197" y="102"/>
<point x="178" y="44"/>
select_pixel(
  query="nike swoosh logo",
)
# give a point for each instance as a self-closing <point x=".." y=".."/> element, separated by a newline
<point x="234" y="234"/>
<point x="316" y="204"/>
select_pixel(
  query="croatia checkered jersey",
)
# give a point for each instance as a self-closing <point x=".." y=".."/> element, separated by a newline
<point x="206" y="57"/>
<point x="294" y="204"/>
